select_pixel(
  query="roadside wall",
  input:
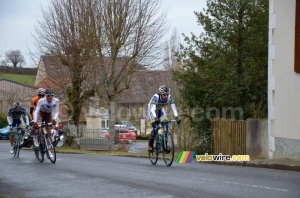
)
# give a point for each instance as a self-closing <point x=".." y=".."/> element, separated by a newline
<point x="257" y="145"/>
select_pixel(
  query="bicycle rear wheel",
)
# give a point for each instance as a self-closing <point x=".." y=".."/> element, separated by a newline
<point x="51" y="154"/>
<point x="153" y="155"/>
<point x="168" y="147"/>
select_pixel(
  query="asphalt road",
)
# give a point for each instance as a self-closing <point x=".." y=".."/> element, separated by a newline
<point x="81" y="175"/>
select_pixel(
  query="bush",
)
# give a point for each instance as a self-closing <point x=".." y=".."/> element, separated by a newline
<point x="143" y="137"/>
<point x="3" y="120"/>
<point x="123" y="147"/>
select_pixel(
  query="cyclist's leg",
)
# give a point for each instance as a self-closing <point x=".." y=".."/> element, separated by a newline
<point x="152" y="135"/>
<point x="154" y="131"/>
<point x="164" y="118"/>
<point x="48" y="119"/>
<point x="34" y="129"/>
<point x="15" y="122"/>
<point x="11" y="139"/>
<point x="22" y="137"/>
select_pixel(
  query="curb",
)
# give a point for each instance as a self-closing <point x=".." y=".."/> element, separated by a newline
<point x="261" y="164"/>
<point x="257" y="164"/>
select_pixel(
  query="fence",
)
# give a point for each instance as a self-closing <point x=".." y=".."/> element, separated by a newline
<point x="93" y="140"/>
<point x="229" y="137"/>
<point x="87" y="139"/>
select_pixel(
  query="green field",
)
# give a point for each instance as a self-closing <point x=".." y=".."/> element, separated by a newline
<point x="23" y="79"/>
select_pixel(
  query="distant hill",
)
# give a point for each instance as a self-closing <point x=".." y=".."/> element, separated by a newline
<point x="21" y="75"/>
<point x="18" y="70"/>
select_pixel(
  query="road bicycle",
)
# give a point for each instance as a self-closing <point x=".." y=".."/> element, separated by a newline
<point x="57" y="135"/>
<point x="17" y="140"/>
<point x="28" y="141"/>
<point x="163" y="144"/>
<point x="45" y="144"/>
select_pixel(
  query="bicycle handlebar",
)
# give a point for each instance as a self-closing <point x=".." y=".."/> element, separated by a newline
<point x="169" y="121"/>
<point x="45" y="124"/>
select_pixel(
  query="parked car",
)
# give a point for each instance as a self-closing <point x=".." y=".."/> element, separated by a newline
<point x="104" y="131"/>
<point x="123" y="135"/>
<point x="5" y="132"/>
<point x="126" y="124"/>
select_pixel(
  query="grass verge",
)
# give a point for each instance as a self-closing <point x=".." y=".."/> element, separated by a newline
<point x="65" y="149"/>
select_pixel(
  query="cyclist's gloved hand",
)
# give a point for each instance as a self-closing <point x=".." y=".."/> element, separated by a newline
<point x="178" y="120"/>
<point x="157" y="121"/>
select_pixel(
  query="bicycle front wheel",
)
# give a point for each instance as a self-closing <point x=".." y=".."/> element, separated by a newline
<point x="17" y="147"/>
<point x="39" y="153"/>
<point x="168" y="148"/>
<point x="153" y="155"/>
<point x="51" y="154"/>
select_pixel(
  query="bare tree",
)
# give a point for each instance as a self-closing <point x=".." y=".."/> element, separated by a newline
<point x="128" y="34"/>
<point x="15" y="57"/>
<point x="64" y="33"/>
<point x="102" y="43"/>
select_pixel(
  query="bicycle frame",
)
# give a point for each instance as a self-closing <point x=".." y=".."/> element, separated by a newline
<point x="17" y="140"/>
<point x="44" y="147"/>
<point x="164" y="144"/>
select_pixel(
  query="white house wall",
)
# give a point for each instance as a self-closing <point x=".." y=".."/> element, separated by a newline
<point x="283" y="88"/>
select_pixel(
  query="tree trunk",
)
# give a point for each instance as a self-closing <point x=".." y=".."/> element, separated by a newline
<point x="112" y="120"/>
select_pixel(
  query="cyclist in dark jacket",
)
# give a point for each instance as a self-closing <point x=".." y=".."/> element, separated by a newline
<point x="157" y="112"/>
<point x="14" y="118"/>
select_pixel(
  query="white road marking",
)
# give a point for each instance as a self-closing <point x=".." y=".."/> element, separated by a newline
<point x="241" y="184"/>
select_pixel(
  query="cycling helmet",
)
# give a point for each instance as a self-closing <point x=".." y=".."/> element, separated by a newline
<point x="17" y="104"/>
<point x="41" y="91"/>
<point x="164" y="89"/>
<point x="49" y="91"/>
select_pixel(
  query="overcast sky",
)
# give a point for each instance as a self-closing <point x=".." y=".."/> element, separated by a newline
<point x="18" y="17"/>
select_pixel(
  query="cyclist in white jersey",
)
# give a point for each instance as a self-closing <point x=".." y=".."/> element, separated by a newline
<point x="43" y="112"/>
<point x="157" y="111"/>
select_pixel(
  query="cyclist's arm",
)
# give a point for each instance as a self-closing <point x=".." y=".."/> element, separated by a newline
<point x="31" y="111"/>
<point x="153" y="109"/>
<point x="173" y="106"/>
<point x="37" y="111"/>
<point x="56" y="111"/>
<point x="27" y="119"/>
<point x="152" y="106"/>
<point x="22" y="120"/>
<point x="174" y="109"/>
<point x="9" y="120"/>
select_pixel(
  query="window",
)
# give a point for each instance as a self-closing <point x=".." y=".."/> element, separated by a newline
<point x="297" y="38"/>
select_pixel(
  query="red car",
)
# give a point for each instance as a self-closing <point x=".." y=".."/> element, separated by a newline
<point x="123" y="135"/>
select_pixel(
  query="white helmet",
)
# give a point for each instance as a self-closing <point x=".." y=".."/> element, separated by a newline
<point x="41" y="91"/>
<point x="164" y="89"/>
